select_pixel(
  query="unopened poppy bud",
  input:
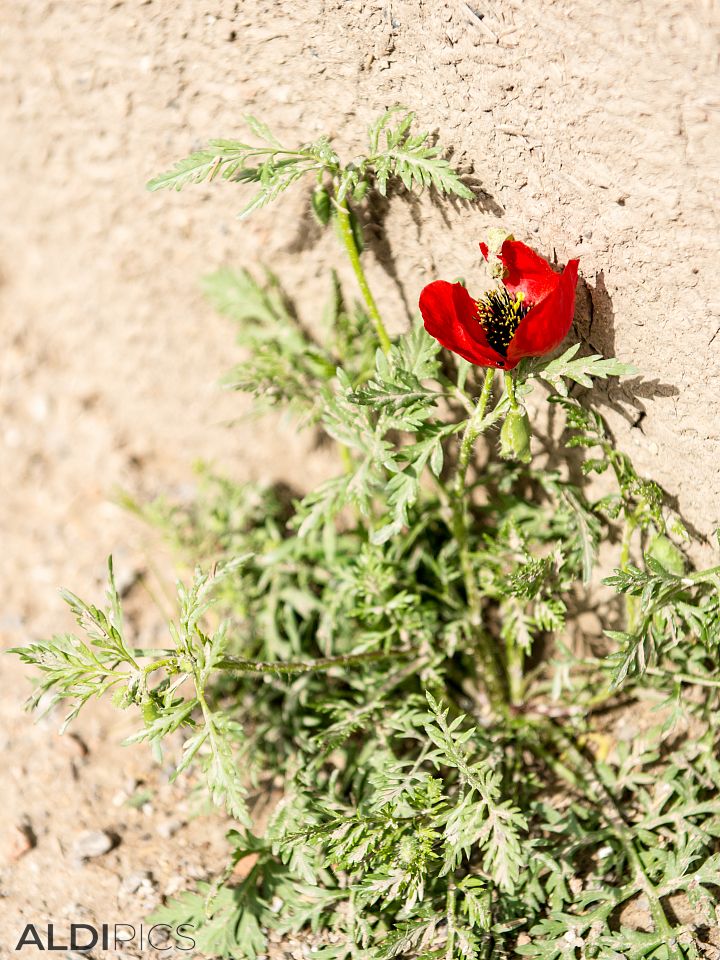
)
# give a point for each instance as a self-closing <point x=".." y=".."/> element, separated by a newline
<point x="667" y="555"/>
<point x="515" y="436"/>
<point x="150" y="711"/>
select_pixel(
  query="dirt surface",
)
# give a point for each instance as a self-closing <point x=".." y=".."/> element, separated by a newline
<point x="593" y="132"/>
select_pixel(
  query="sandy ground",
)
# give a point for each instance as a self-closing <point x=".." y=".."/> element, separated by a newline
<point x="593" y="132"/>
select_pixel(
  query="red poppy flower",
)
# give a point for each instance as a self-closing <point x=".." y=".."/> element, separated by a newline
<point x="528" y="316"/>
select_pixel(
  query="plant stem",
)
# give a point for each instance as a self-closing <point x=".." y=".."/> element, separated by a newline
<point x="494" y="673"/>
<point x="308" y="666"/>
<point x="472" y="432"/>
<point x="702" y="576"/>
<point x="242" y="665"/>
<point x="450" y="916"/>
<point x="346" y="235"/>
<point x="687" y="678"/>
<point x="515" y="659"/>
<point x="631" y="603"/>
<point x="510" y="390"/>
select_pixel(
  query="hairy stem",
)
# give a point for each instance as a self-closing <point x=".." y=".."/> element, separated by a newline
<point x="345" y="231"/>
<point x="494" y="672"/>
<point x="510" y="390"/>
<point x="472" y="432"/>
<point x="687" y="678"/>
<point x="631" y="603"/>
<point x="241" y="665"/>
<point x="450" y="916"/>
<point x="704" y="576"/>
<point x="515" y="659"/>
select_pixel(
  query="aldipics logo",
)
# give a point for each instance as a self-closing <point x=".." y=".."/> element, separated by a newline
<point x="82" y="937"/>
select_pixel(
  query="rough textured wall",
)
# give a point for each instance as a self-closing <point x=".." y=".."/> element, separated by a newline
<point x="592" y="129"/>
<point x="592" y="133"/>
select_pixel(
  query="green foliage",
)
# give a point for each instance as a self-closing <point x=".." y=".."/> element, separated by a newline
<point x="413" y="831"/>
<point x="411" y="158"/>
<point x="399" y="649"/>
<point x="582" y="370"/>
<point x="286" y="364"/>
<point x="671" y="610"/>
<point x="271" y="167"/>
<point x="394" y="153"/>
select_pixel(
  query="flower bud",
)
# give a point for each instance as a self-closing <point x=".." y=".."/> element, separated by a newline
<point x="667" y="555"/>
<point x="515" y="436"/>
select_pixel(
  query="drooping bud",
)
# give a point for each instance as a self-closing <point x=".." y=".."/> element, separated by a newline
<point x="515" y="436"/>
<point x="667" y="555"/>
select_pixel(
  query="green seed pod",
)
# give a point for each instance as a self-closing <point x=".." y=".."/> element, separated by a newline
<point x="515" y="436"/>
<point x="150" y="711"/>
<point x="667" y="555"/>
<point x="321" y="205"/>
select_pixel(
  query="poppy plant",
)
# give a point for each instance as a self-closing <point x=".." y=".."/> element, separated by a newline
<point x="528" y="316"/>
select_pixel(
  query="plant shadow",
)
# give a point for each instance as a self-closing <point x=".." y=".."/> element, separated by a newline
<point x="594" y="325"/>
<point x="372" y="215"/>
<point x="594" y="328"/>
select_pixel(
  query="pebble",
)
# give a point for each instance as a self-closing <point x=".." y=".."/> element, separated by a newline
<point x="134" y="881"/>
<point x="138" y="888"/>
<point x="91" y="844"/>
<point x="72" y="909"/>
<point x="173" y="885"/>
<point x="39" y="407"/>
<point x="20" y="840"/>
<point x="168" y="828"/>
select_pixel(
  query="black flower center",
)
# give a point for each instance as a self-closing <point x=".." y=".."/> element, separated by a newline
<point x="500" y="313"/>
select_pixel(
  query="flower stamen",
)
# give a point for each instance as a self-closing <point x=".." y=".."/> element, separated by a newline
<point x="500" y="313"/>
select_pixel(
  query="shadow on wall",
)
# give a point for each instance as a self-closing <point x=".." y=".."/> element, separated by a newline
<point x="372" y="214"/>
<point x="594" y="325"/>
<point x="594" y="328"/>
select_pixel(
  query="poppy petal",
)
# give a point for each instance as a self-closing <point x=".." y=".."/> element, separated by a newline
<point x="547" y="324"/>
<point x="450" y="315"/>
<point x="525" y="270"/>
